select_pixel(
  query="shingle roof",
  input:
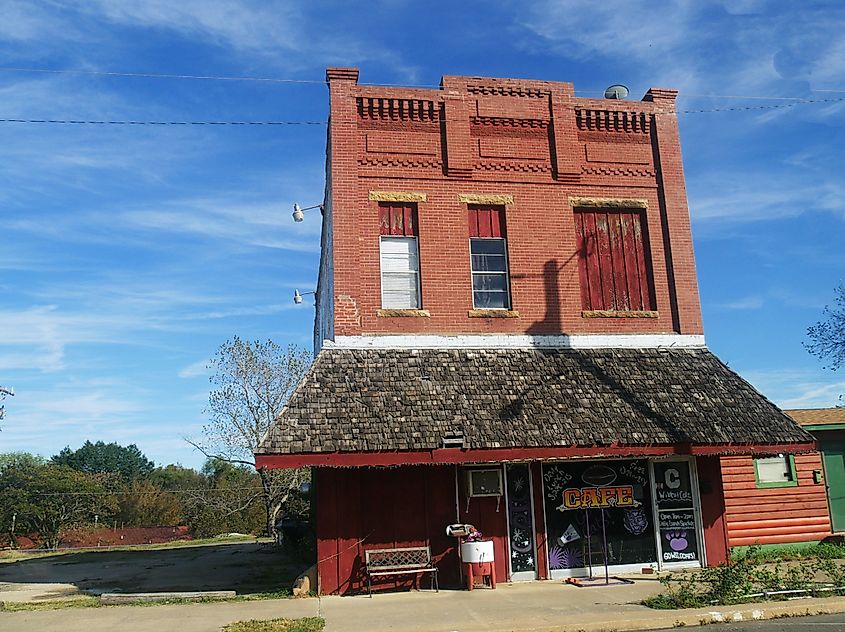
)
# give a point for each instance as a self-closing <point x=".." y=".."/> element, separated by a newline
<point x="375" y="399"/>
<point x="817" y="416"/>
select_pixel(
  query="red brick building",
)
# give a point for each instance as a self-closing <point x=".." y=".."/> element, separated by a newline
<point x="508" y="334"/>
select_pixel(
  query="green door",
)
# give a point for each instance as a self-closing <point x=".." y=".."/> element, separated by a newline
<point x="834" y="469"/>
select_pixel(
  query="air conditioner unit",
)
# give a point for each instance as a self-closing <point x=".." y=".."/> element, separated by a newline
<point x="484" y="483"/>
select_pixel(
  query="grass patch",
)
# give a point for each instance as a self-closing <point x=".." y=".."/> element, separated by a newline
<point x="82" y="601"/>
<point x="787" y="553"/>
<point x="13" y="555"/>
<point x="308" y="624"/>
<point x="88" y="601"/>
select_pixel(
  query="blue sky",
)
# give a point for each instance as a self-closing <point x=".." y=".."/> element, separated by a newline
<point x="128" y="254"/>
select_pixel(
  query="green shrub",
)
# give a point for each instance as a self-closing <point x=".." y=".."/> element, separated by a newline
<point x="751" y="576"/>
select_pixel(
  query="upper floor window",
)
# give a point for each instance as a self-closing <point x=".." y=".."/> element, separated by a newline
<point x="489" y="258"/>
<point x="399" y="255"/>
<point x="613" y="260"/>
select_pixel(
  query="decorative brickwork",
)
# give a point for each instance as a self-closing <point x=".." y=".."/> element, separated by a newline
<point x="537" y="143"/>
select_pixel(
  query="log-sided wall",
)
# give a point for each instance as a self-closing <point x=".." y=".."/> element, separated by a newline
<point x="774" y="515"/>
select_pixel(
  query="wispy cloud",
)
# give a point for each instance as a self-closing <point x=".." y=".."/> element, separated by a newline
<point x="798" y="388"/>
<point x="196" y="369"/>
<point x="740" y="304"/>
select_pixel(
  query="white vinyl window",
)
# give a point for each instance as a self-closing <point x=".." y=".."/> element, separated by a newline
<point x="489" y="263"/>
<point x="775" y="470"/>
<point x="400" y="273"/>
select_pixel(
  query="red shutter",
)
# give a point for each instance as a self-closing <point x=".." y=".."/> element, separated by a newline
<point x="486" y="221"/>
<point x="613" y="263"/>
<point x="398" y="220"/>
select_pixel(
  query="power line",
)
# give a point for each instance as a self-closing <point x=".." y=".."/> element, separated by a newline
<point x="84" y="122"/>
<point x="764" y="107"/>
<point x="150" y="75"/>
<point x="283" y="123"/>
<point x="156" y="491"/>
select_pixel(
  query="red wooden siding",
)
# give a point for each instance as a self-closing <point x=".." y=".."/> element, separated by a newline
<point x="712" y="509"/>
<point x="613" y="260"/>
<point x="398" y="220"/>
<point x="539" y="522"/>
<point x="486" y="221"/>
<point x="372" y="508"/>
<point x="774" y="515"/>
<point x="489" y="515"/>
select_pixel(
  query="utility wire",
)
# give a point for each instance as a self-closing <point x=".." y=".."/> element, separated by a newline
<point x="82" y="122"/>
<point x="157" y="491"/>
<point x="150" y="75"/>
<point x="277" y="123"/>
<point x="764" y="107"/>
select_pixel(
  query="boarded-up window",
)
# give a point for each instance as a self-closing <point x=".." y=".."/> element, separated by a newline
<point x="399" y="256"/>
<point x="488" y="257"/>
<point x="613" y="260"/>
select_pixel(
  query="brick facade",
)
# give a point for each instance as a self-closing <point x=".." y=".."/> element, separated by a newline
<point x="530" y="145"/>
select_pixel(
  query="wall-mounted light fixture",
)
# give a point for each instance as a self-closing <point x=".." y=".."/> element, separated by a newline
<point x="298" y="214"/>
<point x="297" y="296"/>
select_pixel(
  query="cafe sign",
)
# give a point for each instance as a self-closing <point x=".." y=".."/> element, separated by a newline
<point x="599" y="497"/>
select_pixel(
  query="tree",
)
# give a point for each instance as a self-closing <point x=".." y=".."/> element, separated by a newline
<point x="48" y="498"/>
<point x="128" y="462"/>
<point x="20" y="460"/>
<point x="145" y="504"/>
<point x="827" y="337"/>
<point x="252" y="381"/>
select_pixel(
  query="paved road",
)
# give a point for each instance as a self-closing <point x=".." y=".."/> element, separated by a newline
<point x="824" y="623"/>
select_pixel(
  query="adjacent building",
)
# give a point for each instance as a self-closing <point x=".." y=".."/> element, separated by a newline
<point x="508" y="334"/>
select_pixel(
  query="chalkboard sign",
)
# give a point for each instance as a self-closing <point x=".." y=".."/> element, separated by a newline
<point x="678" y="540"/>
<point x="675" y="511"/>
<point x="672" y="485"/>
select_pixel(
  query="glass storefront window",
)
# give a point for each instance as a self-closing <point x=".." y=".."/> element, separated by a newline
<point x="598" y="511"/>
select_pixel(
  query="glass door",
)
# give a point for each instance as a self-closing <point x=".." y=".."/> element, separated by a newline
<point x="677" y="514"/>
<point x="521" y="545"/>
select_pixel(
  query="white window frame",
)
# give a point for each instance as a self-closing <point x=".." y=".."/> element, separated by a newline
<point x="507" y="273"/>
<point x="415" y="272"/>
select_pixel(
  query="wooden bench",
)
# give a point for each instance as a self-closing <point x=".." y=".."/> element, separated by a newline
<point x="401" y="561"/>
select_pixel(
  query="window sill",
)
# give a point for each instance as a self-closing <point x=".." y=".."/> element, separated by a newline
<point x="603" y="313"/>
<point x="404" y="313"/>
<point x="493" y="313"/>
<point x="777" y="484"/>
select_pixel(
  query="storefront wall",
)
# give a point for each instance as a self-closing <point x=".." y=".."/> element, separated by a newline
<point x="626" y="514"/>
<point x="554" y="519"/>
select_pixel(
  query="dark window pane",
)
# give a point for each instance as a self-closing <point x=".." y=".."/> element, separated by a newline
<point x="487" y="246"/>
<point x="490" y="300"/>
<point x="489" y="263"/>
<point x="489" y="282"/>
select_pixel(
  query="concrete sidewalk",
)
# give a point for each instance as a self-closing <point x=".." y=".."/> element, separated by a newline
<point x="529" y="607"/>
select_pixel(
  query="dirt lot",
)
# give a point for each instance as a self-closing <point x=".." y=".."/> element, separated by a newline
<point x="243" y="567"/>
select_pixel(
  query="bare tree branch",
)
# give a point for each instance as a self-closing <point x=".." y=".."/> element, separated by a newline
<point x="251" y="382"/>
